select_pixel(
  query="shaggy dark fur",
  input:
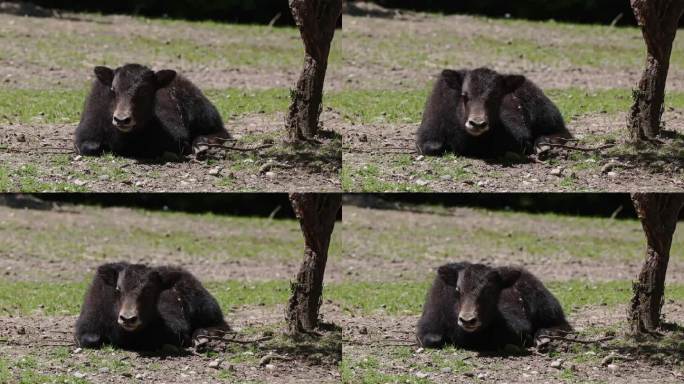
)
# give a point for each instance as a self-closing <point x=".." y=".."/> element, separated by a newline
<point x="170" y="307"/>
<point x="133" y="111"/>
<point x="507" y="113"/>
<point x="505" y="305"/>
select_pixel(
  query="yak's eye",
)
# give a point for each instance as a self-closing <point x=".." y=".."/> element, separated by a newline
<point x="457" y="290"/>
<point x="464" y="97"/>
<point x="118" y="289"/>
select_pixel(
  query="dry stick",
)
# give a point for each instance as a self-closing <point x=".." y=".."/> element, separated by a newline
<point x="239" y="148"/>
<point x="234" y="340"/>
<point x="581" y="341"/>
<point x="583" y="149"/>
<point x="12" y="342"/>
<point x="52" y="150"/>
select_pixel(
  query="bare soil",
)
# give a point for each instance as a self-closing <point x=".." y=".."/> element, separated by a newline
<point x="45" y="336"/>
<point x="618" y="168"/>
<point x="281" y="167"/>
<point x="90" y="236"/>
<point x="381" y="336"/>
<point x="33" y="245"/>
<point x="406" y="246"/>
<point x="391" y="245"/>
<point x="408" y="49"/>
<point x="131" y="39"/>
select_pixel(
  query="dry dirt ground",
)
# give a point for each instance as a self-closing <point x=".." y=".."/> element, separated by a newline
<point x="58" y="54"/>
<point x="63" y="246"/>
<point x="401" y="249"/>
<point x="405" y="51"/>
<point x="44" y="160"/>
<point x="386" y="337"/>
<point x="387" y="153"/>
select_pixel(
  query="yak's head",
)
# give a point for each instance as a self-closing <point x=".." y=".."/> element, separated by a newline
<point x="481" y="92"/>
<point x="477" y="288"/>
<point x="133" y="89"/>
<point x="137" y="292"/>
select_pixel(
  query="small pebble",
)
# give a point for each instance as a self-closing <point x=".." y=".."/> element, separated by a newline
<point x="557" y="364"/>
<point x="215" y="363"/>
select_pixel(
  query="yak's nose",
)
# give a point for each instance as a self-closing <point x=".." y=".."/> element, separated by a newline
<point x="477" y="123"/>
<point x="128" y="319"/>
<point x="468" y="320"/>
<point x="122" y="120"/>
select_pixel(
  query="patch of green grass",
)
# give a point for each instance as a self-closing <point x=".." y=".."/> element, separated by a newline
<point x="233" y="102"/>
<point x="557" y="45"/>
<point x="246" y="238"/>
<point x="368" y="179"/>
<point x="401" y="106"/>
<point x="583" y="237"/>
<point x="388" y="297"/>
<point x="26" y="370"/>
<point x="379" y="106"/>
<point x="65" y="298"/>
<point x="49" y="298"/>
<point x="5" y="373"/>
<point x="367" y="371"/>
<point x="47" y="106"/>
<point x="40" y="106"/>
<point x="407" y="298"/>
<point x="5" y="181"/>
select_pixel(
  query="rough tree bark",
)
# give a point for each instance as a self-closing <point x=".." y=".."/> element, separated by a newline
<point x="316" y="20"/>
<point x="316" y="213"/>
<point x="658" y="214"/>
<point x="658" y="20"/>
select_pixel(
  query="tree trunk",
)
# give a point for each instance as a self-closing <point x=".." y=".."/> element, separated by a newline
<point x="316" y="20"/>
<point x="658" y="20"/>
<point x="658" y="214"/>
<point x="316" y="213"/>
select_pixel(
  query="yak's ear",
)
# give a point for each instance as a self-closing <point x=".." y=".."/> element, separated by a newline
<point x="109" y="273"/>
<point x="167" y="279"/>
<point x="508" y="275"/>
<point x="449" y="272"/>
<point x="104" y="75"/>
<point x="164" y="77"/>
<point x="512" y="82"/>
<point x="454" y="79"/>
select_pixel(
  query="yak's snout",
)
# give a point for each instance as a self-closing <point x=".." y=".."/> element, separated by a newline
<point x="468" y="321"/>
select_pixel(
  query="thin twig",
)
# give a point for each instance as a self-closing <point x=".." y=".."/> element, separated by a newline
<point x="239" y="148"/>
<point x="33" y="344"/>
<point x="381" y="344"/>
<point x="51" y="150"/>
<point x="583" y="149"/>
<point x="234" y="340"/>
<point x="581" y="341"/>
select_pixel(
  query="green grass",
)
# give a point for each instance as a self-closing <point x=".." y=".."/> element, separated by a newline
<point x="360" y="106"/>
<point x="367" y="371"/>
<point x="26" y="370"/>
<point x="218" y="46"/>
<point x="65" y="298"/>
<point x="451" y="43"/>
<point x="583" y="238"/>
<point x="369" y="179"/>
<point x="242" y="238"/>
<point x="392" y="298"/>
<point x="400" y="106"/>
<point x="407" y="298"/>
<point x="33" y="106"/>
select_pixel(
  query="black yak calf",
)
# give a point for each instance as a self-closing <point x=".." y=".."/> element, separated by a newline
<point x="133" y="306"/>
<point x="480" y="113"/>
<point x="482" y="308"/>
<point x="136" y="112"/>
